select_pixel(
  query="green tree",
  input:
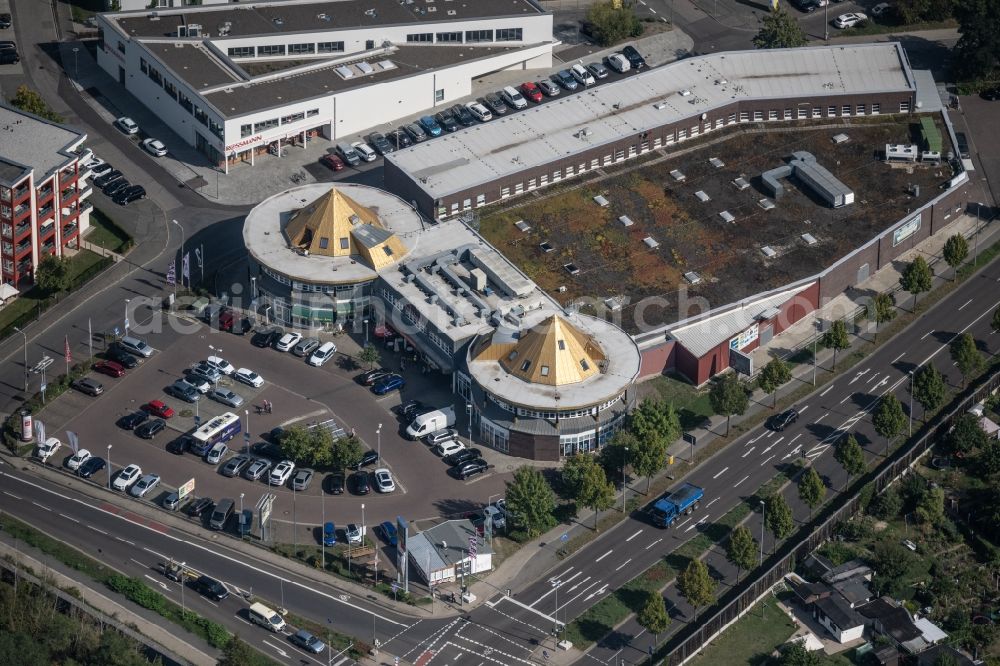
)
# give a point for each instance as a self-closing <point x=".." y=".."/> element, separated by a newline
<point x="654" y="425"/>
<point x="238" y="653"/>
<point x="742" y="550"/>
<point x="930" y="508"/>
<point x="795" y="654"/>
<point x="696" y="585"/>
<point x="346" y="451"/>
<point x="779" y="30"/>
<point x="881" y="310"/>
<point x="850" y="456"/>
<point x="989" y="458"/>
<point x="609" y="25"/>
<point x="573" y="471"/>
<point x="886" y="504"/>
<point x="778" y="517"/>
<point x="530" y="501"/>
<point x="835" y="338"/>
<point x="978" y="50"/>
<point x="653" y="617"/>
<point x="956" y="250"/>
<point x="966" y="436"/>
<point x="889" y="419"/>
<point x="729" y="396"/>
<point x="929" y="388"/>
<point x="370" y="356"/>
<point x="811" y="489"/>
<point x="916" y="278"/>
<point x="891" y="560"/>
<point x="945" y="659"/>
<point x="966" y="356"/>
<point x="773" y="376"/>
<point x="52" y="275"/>
<point x="29" y="100"/>
<point x="594" y="491"/>
<point x="307" y="446"/>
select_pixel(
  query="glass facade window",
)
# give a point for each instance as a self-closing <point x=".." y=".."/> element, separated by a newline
<point x="509" y="34"/>
<point x="449" y="37"/>
<point x="299" y="49"/>
<point x="241" y="52"/>
<point x="271" y="50"/>
<point x="420" y="37"/>
<point x="472" y="36"/>
<point x="330" y="47"/>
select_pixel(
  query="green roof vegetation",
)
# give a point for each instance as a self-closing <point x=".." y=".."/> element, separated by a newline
<point x="930" y="134"/>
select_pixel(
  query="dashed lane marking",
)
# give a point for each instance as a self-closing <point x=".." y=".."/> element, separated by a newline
<point x="654" y="543"/>
<point x="633" y="536"/>
<point x="827" y="390"/>
<point x="748" y="452"/>
<point x="741" y="480"/>
<point x="724" y="469"/>
<point x="623" y="564"/>
<point x="604" y="555"/>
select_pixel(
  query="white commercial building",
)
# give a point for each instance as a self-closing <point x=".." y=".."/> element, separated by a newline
<point x="244" y="79"/>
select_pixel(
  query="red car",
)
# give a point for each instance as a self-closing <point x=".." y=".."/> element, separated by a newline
<point x="531" y="91"/>
<point x="332" y="162"/>
<point x="157" y="408"/>
<point x="110" y="368"/>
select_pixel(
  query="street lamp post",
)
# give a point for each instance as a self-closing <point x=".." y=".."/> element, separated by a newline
<point x="322" y="499"/>
<point x="979" y="216"/>
<point x="555" y="586"/>
<point x="25" y="335"/>
<point x="241" y="505"/>
<point x="76" y="63"/>
<point x="181" y="271"/>
<point x="126" y="315"/>
<point x="245" y="440"/>
<point x="763" y="512"/>
<point x="468" y="415"/>
<point x="366" y="332"/>
<point x="109" y="466"/>
<point x="826" y="20"/>
<point x="911" y="404"/>
<point x="815" y="340"/>
<point x="378" y="437"/>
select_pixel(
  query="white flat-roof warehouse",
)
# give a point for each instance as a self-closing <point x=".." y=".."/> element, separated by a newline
<point x="783" y="84"/>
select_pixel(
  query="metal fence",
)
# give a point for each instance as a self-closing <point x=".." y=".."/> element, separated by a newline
<point x="688" y="642"/>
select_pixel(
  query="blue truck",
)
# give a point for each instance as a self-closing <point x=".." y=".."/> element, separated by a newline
<point x="671" y="506"/>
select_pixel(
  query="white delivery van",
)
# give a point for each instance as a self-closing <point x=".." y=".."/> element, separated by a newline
<point x="267" y="618"/>
<point x="430" y="422"/>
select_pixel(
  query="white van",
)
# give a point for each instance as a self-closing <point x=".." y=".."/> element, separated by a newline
<point x="582" y="75"/>
<point x="267" y="618"/>
<point x="514" y="98"/>
<point x="323" y="354"/>
<point x="619" y="63"/>
<point x="425" y="424"/>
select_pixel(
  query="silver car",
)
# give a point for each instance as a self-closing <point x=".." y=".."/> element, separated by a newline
<point x="305" y="346"/>
<point x="144" y="485"/>
<point x="226" y="397"/>
<point x="257" y="469"/>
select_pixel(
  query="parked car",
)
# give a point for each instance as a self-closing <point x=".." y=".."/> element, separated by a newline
<point x="184" y="390"/>
<point x="257" y="469"/>
<point x="108" y="177"/>
<point x="369" y="457"/>
<point x="387" y="384"/>
<point x="582" y="75"/>
<point x="781" y="421"/>
<point x="353" y="533"/>
<point x="307" y="641"/>
<point x="154" y="147"/>
<point x="136" y="346"/>
<point x="216" y="453"/>
<point x="126" y="477"/>
<point x="383" y="480"/>
<point x="598" y="70"/>
<point x="109" y="368"/>
<point x="200" y="506"/>
<point x="399" y="139"/>
<point x="226" y="397"/>
<point x="990" y="94"/>
<point x="159" y="408"/>
<point x="416" y="132"/>
<point x="329" y="534"/>
<point x="89" y="386"/>
<point x="449" y="447"/>
<point x="235" y="465"/>
<point x="348" y="154"/>
<point x="179" y="445"/>
<point x="962" y="144"/>
<point x="144" y="485"/>
<point x="373" y="376"/>
<point x="446" y="120"/>
<point x="410" y="409"/>
<point x="5" y="20"/>
<point x="634" y="57"/>
<point x="335" y="483"/>
<point x="305" y="347"/>
<point x="481" y="113"/>
<point x="151" y="429"/>
<point x="265" y="338"/>
<point x="221" y="365"/>
<point x="531" y="91"/>
<point x="806" y="6"/>
<point x="381" y="145"/>
<point x="495" y="103"/>
<point x="211" y="588"/>
<point x="323" y="354"/>
<point x="462" y="456"/>
<point x="77" y="459"/>
<point x="121" y="357"/>
<point x="332" y="162"/>
<point x="101" y="170"/>
<point x="279" y="475"/>
<point x="463" y="115"/>
<point x="430" y="125"/>
<point x="440" y="436"/>
<point x="111" y="191"/>
<point x="48" y="449"/>
<point x="359" y="483"/>
<point x="470" y="468"/>
<point x="618" y="62"/>
<point x="90" y="467"/>
<point x="364" y="151"/>
<point x="248" y="377"/>
<point x="201" y="377"/>
<point x="849" y="20"/>
<point x="287" y="341"/>
<point x="133" y="420"/>
<point x="172" y="501"/>
<point x="127" y="125"/>
<point x="302" y="479"/>
<point x="389" y="533"/>
<point x="493" y="514"/>
<point x="549" y="88"/>
<point x="565" y="80"/>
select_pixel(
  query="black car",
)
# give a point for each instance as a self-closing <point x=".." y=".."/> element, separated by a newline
<point x="463" y="115"/>
<point x="807" y="6"/>
<point x="463" y="456"/>
<point x="110" y="177"/>
<point x="415" y="132"/>
<point x="201" y="506"/>
<point x="991" y="95"/>
<point x="335" y="483"/>
<point x="266" y="338"/>
<point x="359" y="480"/>
<point x="133" y="420"/>
<point x="380" y="143"/>
<point x="781" y="421"/>
<point x="130" y="194"/>
<point x="410" y="408"/>
<point x="9" y="57"/>
<point x="470" y="468"/>
<point x="5" y="20"/>
<point x="90" y="467"/>
<point x="150" y="429"/>
<point x="117" y="186"/>
<point x="634" y="58"/>
<point x="371" y="377"/>
<point x="495" y="104"/>
<point x="446" y="119"/>
<point x="121" y="357"/>
<point x="962" y="143"/>
<point x="180" y="445"/>
<point x="211" y="588"/>
<point x="370" y="457"/>
<point x="399" y="139"/>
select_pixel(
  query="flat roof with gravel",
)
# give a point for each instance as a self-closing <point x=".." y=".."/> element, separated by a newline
<point x="30" y="141"/>
<point x="651" y="99"/>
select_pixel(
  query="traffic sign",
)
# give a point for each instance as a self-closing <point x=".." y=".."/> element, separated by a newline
<point x="186" y="489"/>
<point x="740" y="362"/>
<point x="690" y="438"/>
<point x="564" y="537"/>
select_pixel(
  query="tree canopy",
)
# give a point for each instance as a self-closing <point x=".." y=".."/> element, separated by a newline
<point x="836" y="338"/>
<point x="742" y="550"/>
<point x="778" y="517"/>
<point x="775" y="374"/>
<point x="52" y="274"/>
<point x="850" y="456"/>
<point x="881" y="309"/>
<point x="779" y="30"/>
<point x="307" y="446"/>
<point x="929" y="388"/>
<point x="956" y="250"/>
<point x="530" y="501"/>
<point x="889" y="418"/>
<point x="966" y="356"/>
<point x="654" y="425"/>
<point x="29" y="100"/>
<point x="696" y="585"/>
<point x="587" y="483"/>
<point x="977" y="52"/>
<point x="653" y="617"/>
<point x="811" y="489"/>
<point x="729" y="396"/>
<point x="966" y="436"/>
<point x="369" y="356"/>
<point x="916" y="278"/>
<point x="609" y="25"/>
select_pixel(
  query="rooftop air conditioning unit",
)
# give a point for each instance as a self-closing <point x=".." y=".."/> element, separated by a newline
<point x="182" y="31"/>
<point x="194" y="30"/>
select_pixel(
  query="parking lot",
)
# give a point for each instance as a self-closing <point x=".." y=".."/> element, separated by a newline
<point x="299" y="394"/>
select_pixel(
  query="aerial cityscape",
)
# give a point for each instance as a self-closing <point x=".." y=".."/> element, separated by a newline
<point x="499" y="332"/>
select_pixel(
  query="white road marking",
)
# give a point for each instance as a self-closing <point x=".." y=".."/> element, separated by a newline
<point x="633" y="536"/>
<point x="767" y="460"/>
<point x="623" y="564"/>
<point x="654" y="543"/>
<point x="964" y="304"/>
<point x="680" y="525"/>
<point x="42" y="506"/>
<point x="803" y="409"/>
<point x="748" y="452"/>
<point x="897" y="358"/>
<point x="847" y="398"/>
<point x="859" y="375"/>
<point x="158" y="582"/>
<point x="778" y="441"/>
<point x="579" y="584"/>
<point x="826" y="390"/>
<point x="528" y="608"/>
<point x="816" y="422"/>
<point x="604" y="555"/>
<point x="792" y="440"/>
<point x="721" y="473"/>
<point x="125" y="541"/>
<point x="770" y="433"/>
<point x="767" y="449"/>
<point x="926" y="334"/>
<point x="741" y="480"/>
<point x="276" y="648"/>
<point x="98" y="530"/>
<point x="763" y="434"/>
<point x="712" y="502"/>
<point x="557" y="586"/>
<point x="12" y="495"/>
<point x="597" y="592"/>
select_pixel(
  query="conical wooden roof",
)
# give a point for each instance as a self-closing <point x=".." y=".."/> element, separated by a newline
<point x="554" y="352"/>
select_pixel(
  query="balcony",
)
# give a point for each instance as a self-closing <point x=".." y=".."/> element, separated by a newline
<point x="21" y="229"/>
<point x="48" y="245"/>
<point x="8" y="248"/>
<point x="20" y="193"/>
<point x="7" y="230"/>
<point x="21" y="249"/>
<point x="44" y="194"/>
<point x="19" y="211"/>
<point x="45" y="212"/>
<point x="69" y="229"/>
<point x="67" y="176"/>
<point x="68" y="193"/>
<point x="46" y="229"/>
<point x="86" y="192"/>
<point x="24" y="267"/>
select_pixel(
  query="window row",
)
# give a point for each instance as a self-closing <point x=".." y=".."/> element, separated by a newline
<point x="249" y="129"/>
<point x="175" y="94"/>
<point x="270" y="50"/>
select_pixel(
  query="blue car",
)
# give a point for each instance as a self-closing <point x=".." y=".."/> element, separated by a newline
<point x="390" y="383"/>
<point x="430" y="125"/>
<point x="565" y="79"/>
<point x="389" y="533"/>
<point x="329" y="534"/>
